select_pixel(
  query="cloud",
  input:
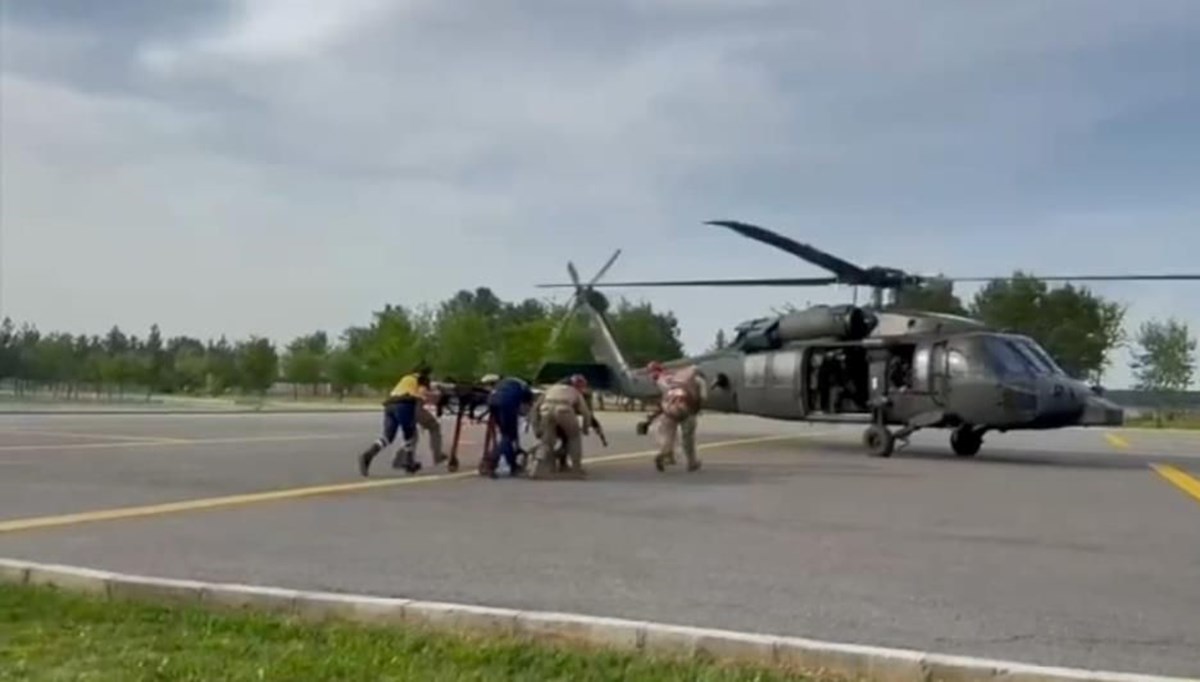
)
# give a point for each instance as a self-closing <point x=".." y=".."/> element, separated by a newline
<point x="199" y="166"/>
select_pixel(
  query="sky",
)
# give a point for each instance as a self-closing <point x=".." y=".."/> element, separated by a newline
<point x="274" y="167"/>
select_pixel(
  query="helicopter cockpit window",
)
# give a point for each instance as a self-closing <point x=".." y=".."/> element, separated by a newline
<point x="1031" y="358"/>
<point x="1040" y="353"/>
<point x="1006" y="360"/>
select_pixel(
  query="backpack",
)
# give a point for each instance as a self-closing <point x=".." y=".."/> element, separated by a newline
<point x="679" y="399"/>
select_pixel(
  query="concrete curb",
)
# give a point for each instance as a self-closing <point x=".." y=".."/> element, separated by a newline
<point x="845" y="660"/>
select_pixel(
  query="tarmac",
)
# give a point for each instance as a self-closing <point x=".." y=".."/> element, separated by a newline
<point x="1072" y="548"/>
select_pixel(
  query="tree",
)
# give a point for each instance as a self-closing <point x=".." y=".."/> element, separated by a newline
<point x="304" y="361"/>
<point x="221" y="371"/>
<point x="525" y="347"/>
<point x="464" y="344"/>
<point x="644" y="334"/>
<point x="1077" y="328"/>
<point x="719" y="342"/>
<point x="257" y="365"/>
<point x="935" y="296"/>
<point x="390" y="348"/>
<point x="1164" y="360"/>
<point x="345" y="372"/>
<point x="153" y="362"/>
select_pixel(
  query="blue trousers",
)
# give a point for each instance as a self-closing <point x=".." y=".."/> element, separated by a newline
<point x="402" y="417"/>
<point x="507" y="418"/>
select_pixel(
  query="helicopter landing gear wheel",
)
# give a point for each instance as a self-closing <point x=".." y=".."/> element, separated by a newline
<point x="966" y="441"/>
<point x="879" y="441"/>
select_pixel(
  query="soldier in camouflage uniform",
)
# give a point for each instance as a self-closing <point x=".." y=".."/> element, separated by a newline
<point x="683" y="395"/>
<point x="558" y="415"/>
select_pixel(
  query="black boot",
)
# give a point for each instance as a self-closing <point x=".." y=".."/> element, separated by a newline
<point x="405" y="459"/>
<point x="364" y="459"/>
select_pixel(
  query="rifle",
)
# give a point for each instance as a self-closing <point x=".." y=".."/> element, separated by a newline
<point x="599" y="431"/>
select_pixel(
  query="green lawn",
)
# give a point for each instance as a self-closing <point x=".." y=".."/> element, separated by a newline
<point x="50" y="635"/>
<point x="1183" y="421"/>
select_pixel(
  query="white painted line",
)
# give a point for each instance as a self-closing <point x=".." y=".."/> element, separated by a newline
<point x="851" y="660"/>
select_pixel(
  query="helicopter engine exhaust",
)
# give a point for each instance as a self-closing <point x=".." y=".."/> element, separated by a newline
<point x="842" y="323"/>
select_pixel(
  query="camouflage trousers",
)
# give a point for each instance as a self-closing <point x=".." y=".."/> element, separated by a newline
<point x="430" y="424"/>
<point x="669" y="428"/>
<point x="553" y="422"/>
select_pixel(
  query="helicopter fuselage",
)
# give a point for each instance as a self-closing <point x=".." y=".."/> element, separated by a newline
<point x="982" y="379"/>
<point x="913" y="370"/>
<point x="883" y="368"/>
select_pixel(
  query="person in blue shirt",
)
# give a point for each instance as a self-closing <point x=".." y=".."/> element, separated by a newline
<point x="508" y="398"/>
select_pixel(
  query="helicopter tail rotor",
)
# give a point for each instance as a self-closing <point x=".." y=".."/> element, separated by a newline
<point x="584" y="293"/>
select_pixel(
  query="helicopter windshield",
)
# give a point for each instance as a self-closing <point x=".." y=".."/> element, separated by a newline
<point x="1005" y="359"/>
<point x="1018" y="356"/>
<point x="1037" y="355"/>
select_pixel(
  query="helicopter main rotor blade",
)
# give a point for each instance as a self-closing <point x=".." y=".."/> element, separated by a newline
<point x="847" y="272"/>
<point x="1079" y="278"/>
<point x="768" y="282"/>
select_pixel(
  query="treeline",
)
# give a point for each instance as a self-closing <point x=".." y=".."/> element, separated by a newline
<point x="471" y="334"/>
<point x="474" y="333"/>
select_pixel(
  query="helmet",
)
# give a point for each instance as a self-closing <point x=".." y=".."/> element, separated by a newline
<point x="490" y="379"/>
<point x="578" y="381"/>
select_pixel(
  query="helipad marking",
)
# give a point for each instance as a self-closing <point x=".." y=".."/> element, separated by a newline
<point x="311" y="491"/>
<point x="1116" y="441"/>
<point x="1179" y="479"/>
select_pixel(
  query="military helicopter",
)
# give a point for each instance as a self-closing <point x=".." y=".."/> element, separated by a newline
<point x="883" y="367"/>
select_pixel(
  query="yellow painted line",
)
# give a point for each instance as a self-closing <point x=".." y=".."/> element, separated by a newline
<point x="1116" y="441"/>
<point x="294" y="493"/>
<point x="237" y="440"/>
<point x="1179" y="479"/>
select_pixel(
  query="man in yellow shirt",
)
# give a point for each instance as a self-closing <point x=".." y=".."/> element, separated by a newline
<point x="400" y="414"/>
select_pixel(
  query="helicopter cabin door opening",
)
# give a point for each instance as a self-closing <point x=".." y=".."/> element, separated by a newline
<point x="838" y="379"/>
<point x="843" y="379"/>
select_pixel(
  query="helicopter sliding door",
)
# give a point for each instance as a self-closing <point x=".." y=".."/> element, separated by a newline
<point x="771" y="385"/>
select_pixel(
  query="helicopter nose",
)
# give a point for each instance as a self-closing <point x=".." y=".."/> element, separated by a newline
<point x="1099" y="411"/>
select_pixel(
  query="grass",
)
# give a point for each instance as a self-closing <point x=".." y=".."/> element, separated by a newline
<point x="1182" y="420"/>
<point x="46" y="634"/>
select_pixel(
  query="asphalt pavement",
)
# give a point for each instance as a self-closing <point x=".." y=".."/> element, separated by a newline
<point x="1078" y="548"/>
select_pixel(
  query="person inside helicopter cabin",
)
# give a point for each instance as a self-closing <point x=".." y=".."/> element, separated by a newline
<point x="683" y="394"/>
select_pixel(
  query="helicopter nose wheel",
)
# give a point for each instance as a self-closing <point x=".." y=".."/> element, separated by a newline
<point x="879" y="441"/>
